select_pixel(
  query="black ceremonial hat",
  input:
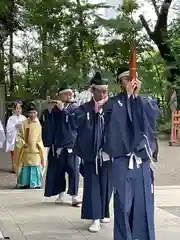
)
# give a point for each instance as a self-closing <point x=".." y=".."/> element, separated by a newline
<point x="64" y="86"/>
<point x="98" y="80"/>
<point x="123" y="68"/>
<point x="32" y="107"/>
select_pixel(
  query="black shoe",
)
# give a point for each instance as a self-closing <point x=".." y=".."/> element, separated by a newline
<point x="35" y="187"/>
<point x="25" y="187"/>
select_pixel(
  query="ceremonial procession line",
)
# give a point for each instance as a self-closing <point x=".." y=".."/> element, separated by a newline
<point x="27" y="215"/>
<point x="115" y="140"/>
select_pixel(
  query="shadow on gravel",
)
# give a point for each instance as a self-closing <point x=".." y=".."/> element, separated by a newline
<point x="173" y="210"/>
<point x="5" y="170"/>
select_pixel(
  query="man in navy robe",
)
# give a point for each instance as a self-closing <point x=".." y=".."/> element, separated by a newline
<point x="96" y="167"/>
<point x="64" y="159"/>
<point x="128" y="141"/>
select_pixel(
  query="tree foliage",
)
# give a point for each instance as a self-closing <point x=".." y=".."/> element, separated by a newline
<point x="67" y="40"/>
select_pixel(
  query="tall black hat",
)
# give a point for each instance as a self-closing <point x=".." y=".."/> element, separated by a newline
<point x="65" y="87"/>
<point x="97" y="81"/>
<point x="122" y="71"/>
<point x="32" y="107"/>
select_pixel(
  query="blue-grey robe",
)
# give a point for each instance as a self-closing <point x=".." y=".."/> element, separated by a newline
<point x="97" y="173"/>
<point x="127" y="142"/>
<point x="67" y="161"/>
<point x="47" y="123"/>
<point x="152" y="111"/>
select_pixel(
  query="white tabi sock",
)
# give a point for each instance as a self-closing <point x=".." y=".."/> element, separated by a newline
<point x="60" y="198"/>
<point x="76" y="200"/>
<point x="61" y="195"/>
<point x="105" y="220"/>
<point x="96" y="221"/>
<point x="95" y="226"/>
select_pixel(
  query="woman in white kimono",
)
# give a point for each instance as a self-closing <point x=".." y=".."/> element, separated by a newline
<point x="13" y="124"/>
<point x="2" y="135"/>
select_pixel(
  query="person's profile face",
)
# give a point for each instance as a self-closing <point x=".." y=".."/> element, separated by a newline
<point x="18" y="109"/>
<point x="33" y="115"/>
<point x="65" y="96"/>
<point x="124" y="81"/>
<point x="99" y="94"/>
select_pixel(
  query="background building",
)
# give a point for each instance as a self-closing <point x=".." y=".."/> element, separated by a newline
<point x="109" y="13"/>
<point x="112" y="12"/>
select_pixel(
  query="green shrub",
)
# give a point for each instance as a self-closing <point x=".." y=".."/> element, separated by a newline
<point x="164" y="127"/>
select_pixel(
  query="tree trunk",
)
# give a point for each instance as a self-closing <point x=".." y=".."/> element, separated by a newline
<point x="44" y="63"/>
<point x="81" y="40"/>
<point x="2" y="77"/>
<point x="11" y="61"/>
<point x="160" y="38"/>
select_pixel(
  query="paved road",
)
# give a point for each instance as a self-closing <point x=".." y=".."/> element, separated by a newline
<point x="26" y="215"/>
<point x="7" y="179"/>
<point x="167" y="171"/>
<point x="23" y="214"/>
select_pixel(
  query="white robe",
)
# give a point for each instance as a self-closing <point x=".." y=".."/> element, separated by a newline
<point x="2" y="135"/>
<point x="84" y="96"/>
<point x="13" y="125"/>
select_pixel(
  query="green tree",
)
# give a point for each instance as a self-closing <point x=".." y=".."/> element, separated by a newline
<point x="67" y="37"/>
<point x="9" y="24"/>
<point x="160" y="36"/>
<point x="124" y="30"/>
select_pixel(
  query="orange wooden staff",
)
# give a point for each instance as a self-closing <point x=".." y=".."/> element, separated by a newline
<point x="133" y="68"/>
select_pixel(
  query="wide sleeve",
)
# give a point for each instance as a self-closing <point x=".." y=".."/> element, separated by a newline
<point x="2" y="135"/>
<point x="151" y="108"/>
<point x="143" y="128"/>
<point x="41" y="146"/>
<point x="42" y="118"/>
<point x="138" y="113"/>
<point x="19" y="149"/>
<point x="70" y="126"/>
<point x="72" y="116"/>
<point x="20" y="137"/>
<point x="149" y="112"/>
<point x="52" y="127"/>
<point x="80" y="123"/>
<point x="79" y="115"/>
<point x="108" y="109"/>
<point x="10" y="131"/>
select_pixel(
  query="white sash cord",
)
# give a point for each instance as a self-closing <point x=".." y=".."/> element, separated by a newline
<point x="132" y="157"/>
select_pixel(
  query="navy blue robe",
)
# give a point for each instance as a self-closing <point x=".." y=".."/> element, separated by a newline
<point x="47" y="123"/>
<point x="152" y="112"/>
<point x="97" y="173"/>
<point x="68" y="128"/>
<point x="52" y="182"/>
<point x="64" y="138"/>
<point x="126" y="138"/>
